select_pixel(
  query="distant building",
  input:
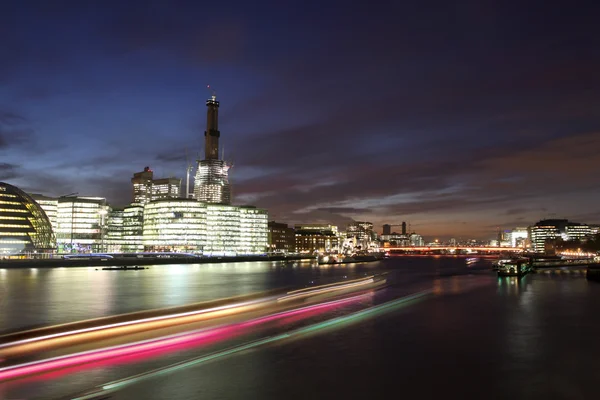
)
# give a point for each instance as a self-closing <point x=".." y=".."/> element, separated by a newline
<point x="416" y="240"/>
<point x="24" y="226"/>
<point x="404" y="228"/>
<point x="312" y="238"/>
<point x="518" y="237"/>
<point x="396" y="239"/>
<point x="282" y="238"/>
<point x="147" y="189"/>
<point x="387" y="229"/>
<point x="362" y="231"/>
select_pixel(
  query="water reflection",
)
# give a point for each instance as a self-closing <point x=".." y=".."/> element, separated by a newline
<point x="512" y="285"/>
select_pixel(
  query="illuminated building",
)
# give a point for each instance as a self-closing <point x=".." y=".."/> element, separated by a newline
<point x="24" y="226"/>
<point x="211" y="183"/>
<point x="281" y="238"/>
<point x="81" y="222"/>
<point x="416" y="240"/>
<point x="360" y="230"/>
<point x="545" y="232"/>
<point x="212" y="229"/>
<point x="396" y="239"/>
<point x="174" y="225"/>
<point x="518" y="237"/>
<point x="312" y="238"/>
<point x="133" y="228"/>
<point x="113" y="240"/>
<point x="147" y="189"/>
<point x="165" y="188"/>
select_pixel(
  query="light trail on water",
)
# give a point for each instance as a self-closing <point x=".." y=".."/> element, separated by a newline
<point x="209" y="335"/>
<point x="297" y="333"/>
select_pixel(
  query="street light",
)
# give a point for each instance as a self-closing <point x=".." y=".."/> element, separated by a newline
<point x="102" y="213"/>
<point x="71" y="195"/>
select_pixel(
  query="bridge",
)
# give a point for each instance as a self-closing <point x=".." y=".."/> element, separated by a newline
<point x="454" y="249"/>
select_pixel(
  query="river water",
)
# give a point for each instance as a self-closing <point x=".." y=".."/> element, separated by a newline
<point x="476" y="336"/>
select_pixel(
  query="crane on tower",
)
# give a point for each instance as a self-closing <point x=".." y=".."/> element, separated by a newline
<point x="213" y="92"/>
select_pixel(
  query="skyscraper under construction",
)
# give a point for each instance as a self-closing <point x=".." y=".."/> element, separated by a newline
<point x="212" y="182"/>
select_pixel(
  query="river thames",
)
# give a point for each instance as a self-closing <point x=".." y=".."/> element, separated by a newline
<point x="473" y="335"/>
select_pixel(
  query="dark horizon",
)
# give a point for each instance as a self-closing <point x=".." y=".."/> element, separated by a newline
<point x="458" y="119"/>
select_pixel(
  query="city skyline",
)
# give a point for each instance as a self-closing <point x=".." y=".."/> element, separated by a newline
<point x="457" y="120"/>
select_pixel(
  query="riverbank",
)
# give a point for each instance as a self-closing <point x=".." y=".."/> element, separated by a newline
<point x="145" y="260"/>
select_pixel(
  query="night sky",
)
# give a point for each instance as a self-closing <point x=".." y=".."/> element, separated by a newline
<point x="455" y="118"/>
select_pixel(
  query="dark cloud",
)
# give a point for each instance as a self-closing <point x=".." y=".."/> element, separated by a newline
<point x="14" y="129"/>
<point x="450" y="115"/>
<point x="344" y="210"/>
<point x="8" y="171"/>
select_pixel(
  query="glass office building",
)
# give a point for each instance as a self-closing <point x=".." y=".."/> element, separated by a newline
<point x="81" y="224"/>
<point x="24" y="226"/>
<point x="187" y="225"/>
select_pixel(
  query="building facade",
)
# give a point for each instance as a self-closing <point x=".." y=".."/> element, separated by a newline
<point x="133" y="228"/>
<point x="24" y="226"/>
<point x="81" y="224"/>
<point x="114" y="231"/>
<point x="316" y="238"/>
<point x="282" y="238"/>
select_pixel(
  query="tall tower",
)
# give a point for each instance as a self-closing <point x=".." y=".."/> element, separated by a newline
<point x="211" y="183"/>
<point x="211" y="135"/>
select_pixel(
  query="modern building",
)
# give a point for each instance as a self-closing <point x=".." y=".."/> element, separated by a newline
<point x="311" y="238"/>
<point x="544" y="232"/>
<point x="147" y="189"/>
<point x="24" y="226"/>
<point x="282" y="238"/>
<point x="187" y="225"/>
<point x="211" y="183"/>
<point x="81" y="224"/>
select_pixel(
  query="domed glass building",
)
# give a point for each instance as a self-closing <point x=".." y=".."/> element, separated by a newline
<point x="24" y="226"/>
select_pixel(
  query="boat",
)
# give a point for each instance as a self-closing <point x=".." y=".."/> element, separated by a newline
<point x="352" y="258"/>
<point x="123" y="268"/>
<point x="515" y="267"/>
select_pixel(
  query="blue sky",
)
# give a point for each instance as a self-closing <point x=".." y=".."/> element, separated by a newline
<point x="455" y="118"/>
